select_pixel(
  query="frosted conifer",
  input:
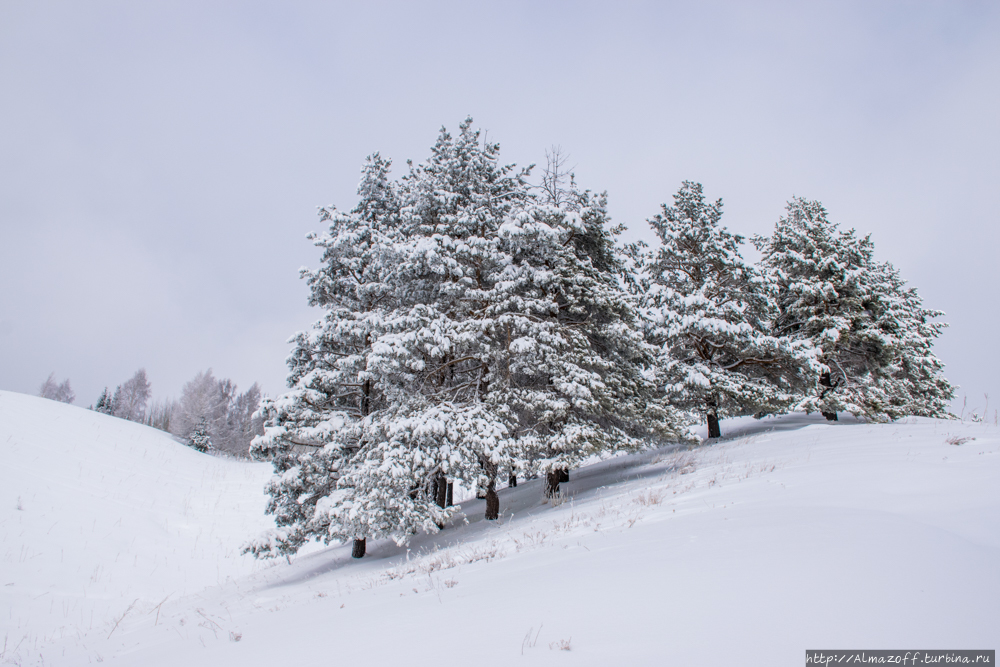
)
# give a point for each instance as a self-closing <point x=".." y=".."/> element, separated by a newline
<point x="709" y="314"/>
<point x="199" y="438"/>
<point x="104" y="403"/>
<point x="872" y="332"/>
<point x="315" y="432"/>
<point x="469" y="329"/>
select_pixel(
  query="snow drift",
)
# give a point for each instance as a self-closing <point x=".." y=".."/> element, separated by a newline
<point x="792" y="534"/>
<point x="98" y="514"/>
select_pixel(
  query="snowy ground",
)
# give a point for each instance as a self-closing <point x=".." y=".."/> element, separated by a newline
<point x="792" y="534"/>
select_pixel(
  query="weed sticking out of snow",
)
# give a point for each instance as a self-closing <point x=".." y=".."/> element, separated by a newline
<point x="445" y="560"/>
<point x="561" y="645"/>
<point x="956" y="440"/>
<point x="650" y="497"/>
<point x="528" y="641"/>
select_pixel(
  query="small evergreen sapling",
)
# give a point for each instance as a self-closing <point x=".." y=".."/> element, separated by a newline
<point x="200" y="438"/>
<point x="105" y="404"/>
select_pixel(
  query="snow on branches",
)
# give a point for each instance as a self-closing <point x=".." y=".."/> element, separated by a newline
<point x="471" y="329"/>
<point x="709" y="314"/>
<point x="872" y="334"/>
<point x="475" y="327"/>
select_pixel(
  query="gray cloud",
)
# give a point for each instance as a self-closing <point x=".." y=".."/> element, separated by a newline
<point x="160" y="163"/>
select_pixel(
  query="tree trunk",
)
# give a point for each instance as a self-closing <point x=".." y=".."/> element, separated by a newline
<point x="359" y="548"/>
<point x="830" y="416"/>
<point x="450" y="500"/>
<point x="492" y="504"/>
<point x="440" y="490"/>
<point x="713" y="426"/>
<point x="492" y="499"/>
<point x="552" y="483"/>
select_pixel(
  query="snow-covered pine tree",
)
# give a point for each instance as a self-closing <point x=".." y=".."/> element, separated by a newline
<point x="913" y="381"/>
<point x="580" y="380"/>
<point x="822" y="295"/>
<point x="434" y="351"/>
<point x="464" y="326"/>
<point x="531" y="330"/>
<point x="104" y="403"/>
<point x="873" y="335"/>
<point x="200" y="438"/>
<point x="709" y="314"/>
<point x="319" y="429"/>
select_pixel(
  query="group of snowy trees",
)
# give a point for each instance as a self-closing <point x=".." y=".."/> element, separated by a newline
<point x="476" y="329"/>
<point x="57" y="391"/>
<point x="210" y="414"/>
<point x="128" y="400"/>
<point x="818" y="326"/>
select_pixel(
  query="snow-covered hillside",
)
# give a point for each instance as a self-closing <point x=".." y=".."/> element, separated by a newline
<point x="98" y="513"/>
<point x="793" y="534"/>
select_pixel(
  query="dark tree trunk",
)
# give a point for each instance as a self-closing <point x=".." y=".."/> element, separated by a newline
<point x="450" y="500"/>
<point x="552" y="483"/>
<point x="713" y="426"/>
<point x="359" y="549"/>
<point x="492" y="499"/>
<point x="512" y="480"/>
<point x="826" y="380"/>
<point x="440" y="490"/>
<point x="492" y="504"/>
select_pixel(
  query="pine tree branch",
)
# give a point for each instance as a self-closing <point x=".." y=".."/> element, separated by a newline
<point x="447" y="364"/>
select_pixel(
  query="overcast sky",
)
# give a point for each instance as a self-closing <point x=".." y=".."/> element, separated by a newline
<point x="161" y="162"/>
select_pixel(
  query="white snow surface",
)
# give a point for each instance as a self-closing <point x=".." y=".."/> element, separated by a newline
<point x="789" y="534"/>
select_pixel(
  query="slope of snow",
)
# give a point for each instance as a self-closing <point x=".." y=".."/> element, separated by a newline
<point x="97" y="514"/>
<point x="794" y="534"/>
